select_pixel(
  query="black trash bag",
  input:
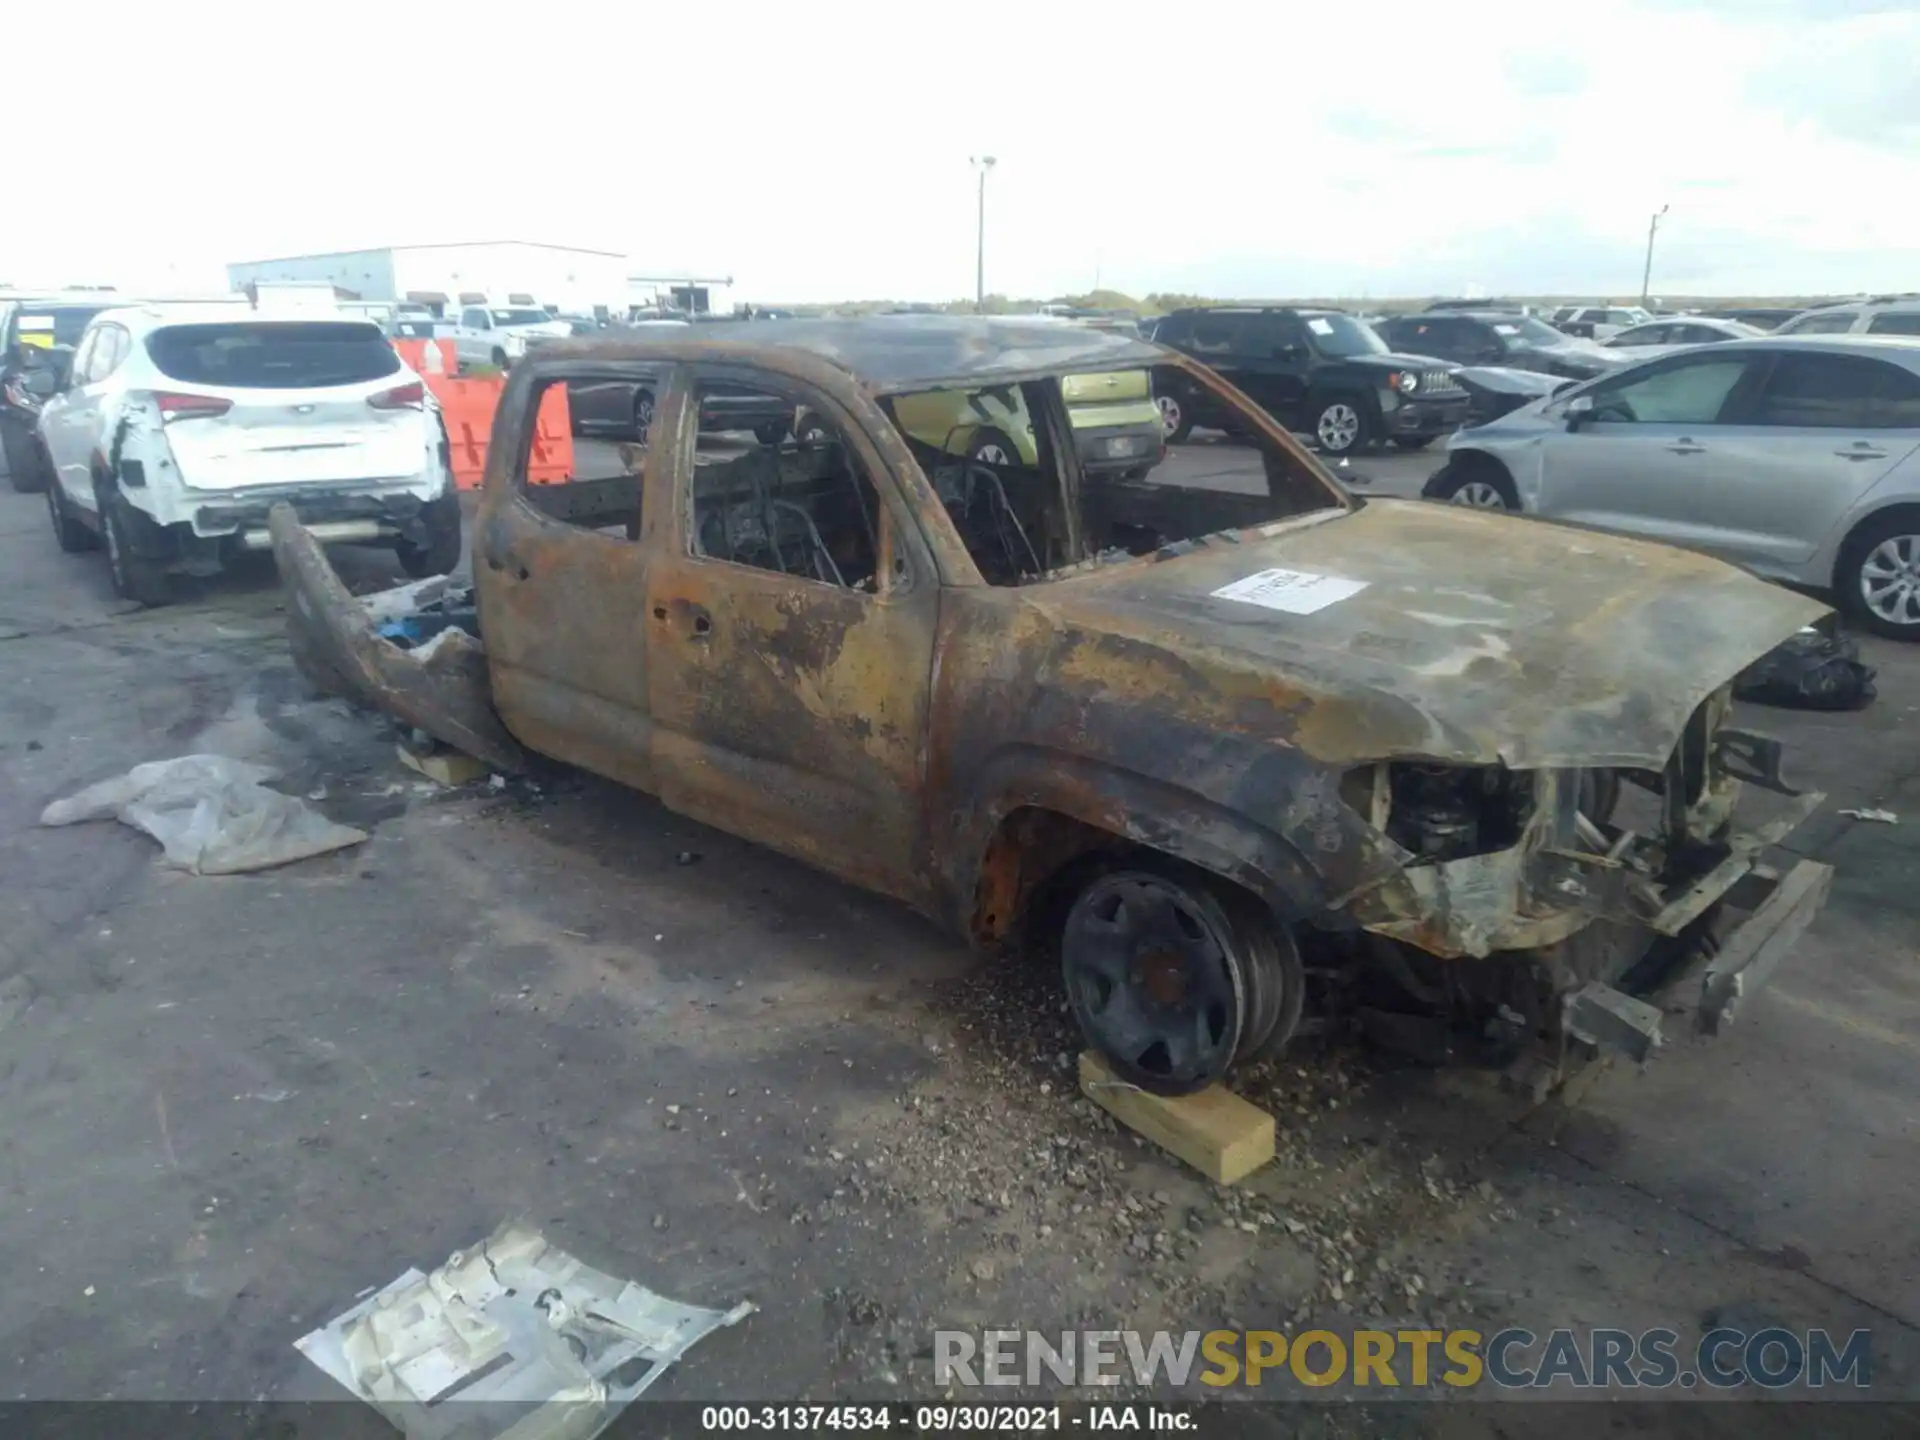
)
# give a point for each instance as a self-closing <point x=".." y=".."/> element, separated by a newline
<point x="1812" y="671"/>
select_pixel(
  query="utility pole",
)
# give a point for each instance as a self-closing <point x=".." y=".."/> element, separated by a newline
<point x="1646" y="275"/>
<point x="983" y="164"/>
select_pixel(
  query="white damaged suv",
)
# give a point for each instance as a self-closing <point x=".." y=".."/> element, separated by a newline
<point x="179" y="426"/>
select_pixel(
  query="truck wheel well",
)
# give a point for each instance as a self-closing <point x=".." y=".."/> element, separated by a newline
<point x="1037" y="861"/>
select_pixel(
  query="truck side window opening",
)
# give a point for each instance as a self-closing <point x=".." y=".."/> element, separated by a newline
<point x="805" y="508"/>
<point x="605" y="489"/>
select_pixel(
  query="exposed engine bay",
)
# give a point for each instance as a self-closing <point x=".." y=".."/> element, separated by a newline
<point x="1592" y="887"/>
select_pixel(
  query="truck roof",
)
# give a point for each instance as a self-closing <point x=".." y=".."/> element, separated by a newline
<point x="893" y="353"/>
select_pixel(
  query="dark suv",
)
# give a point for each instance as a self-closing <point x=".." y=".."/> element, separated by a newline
<point x="37" y="333"/>
<point x="1503" y="338"/>
<point x="1320" y="371"/>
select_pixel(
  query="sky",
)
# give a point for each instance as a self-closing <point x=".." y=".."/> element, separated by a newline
<point x="822" y="152"/>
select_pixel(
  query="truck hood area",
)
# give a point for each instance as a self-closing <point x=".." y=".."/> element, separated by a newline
<point x="1410" y="630"/>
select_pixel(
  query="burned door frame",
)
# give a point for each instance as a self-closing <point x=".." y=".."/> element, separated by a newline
<point x="564" y="606"/>
<point x="787" y="710"/>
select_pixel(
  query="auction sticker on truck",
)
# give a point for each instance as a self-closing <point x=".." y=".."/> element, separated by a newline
<point x="1297" y="592"/>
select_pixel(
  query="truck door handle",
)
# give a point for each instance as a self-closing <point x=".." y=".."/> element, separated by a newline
<point x="1860" y="452"/>
<point x="698" y="623"/>
<point x="1685" y="446"/>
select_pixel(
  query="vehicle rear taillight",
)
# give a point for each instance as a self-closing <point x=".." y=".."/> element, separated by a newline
<point x="401" y="397"/>
<point x="190" y="407"/>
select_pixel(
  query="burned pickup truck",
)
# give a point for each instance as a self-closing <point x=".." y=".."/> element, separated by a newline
<point x="1252" y="753"/>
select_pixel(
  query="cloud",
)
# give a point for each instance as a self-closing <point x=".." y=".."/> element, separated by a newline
<point x="1547" y="74"/>
<point x="821" y="153"/>
<point x="1856" y="80"/>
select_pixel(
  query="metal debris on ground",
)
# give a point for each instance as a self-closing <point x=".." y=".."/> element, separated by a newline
<point x="514" y="1336"/>
<point x="1880" y="817"/>
<point x="212" y="815"/>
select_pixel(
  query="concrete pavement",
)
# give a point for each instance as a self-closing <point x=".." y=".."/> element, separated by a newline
<point x="232" y="1104"/>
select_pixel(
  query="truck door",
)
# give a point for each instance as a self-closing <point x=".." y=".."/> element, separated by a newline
<point x="560" y="572"/>
<point x="791" y="613"/>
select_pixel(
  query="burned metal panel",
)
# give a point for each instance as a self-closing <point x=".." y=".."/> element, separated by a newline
<point x="334" y="644"/>
<point x="891" y="353"/>
<point x="1470" y="640"/>
<point x="795" y="715"/>
<point x="1127" y="738"/>
<point x="790" y="711"/>
<point x="563" y="607"/>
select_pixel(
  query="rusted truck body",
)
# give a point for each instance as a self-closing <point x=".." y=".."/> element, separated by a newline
<point x="1252" y="759"/>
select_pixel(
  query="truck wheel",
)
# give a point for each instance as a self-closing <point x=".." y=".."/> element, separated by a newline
<point x="1341" y="426"/>
<point x="990" y="447"/>
<point x="1172" y="982"/>
<point x="26" y="465"/>
<point x="136" y="576"/>
<point x="1174" y="423"/>
<point x="770" y="433"/>
<point x="72" y="536"/>
<point x="498" y="359"/>
<point x="441" y="554"/>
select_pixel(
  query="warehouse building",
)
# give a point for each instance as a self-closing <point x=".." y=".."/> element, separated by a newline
<point x="563" y="277"/>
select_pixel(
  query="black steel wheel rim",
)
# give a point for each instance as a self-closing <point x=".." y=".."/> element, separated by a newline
<point x="1153" y="980"/>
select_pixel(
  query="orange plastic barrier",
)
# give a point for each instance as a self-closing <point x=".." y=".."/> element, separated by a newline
<point x="468" y="405"/>
<point x="426" y="357"/>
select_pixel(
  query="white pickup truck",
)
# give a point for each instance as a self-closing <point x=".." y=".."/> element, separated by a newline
<point x="498" y="335"/>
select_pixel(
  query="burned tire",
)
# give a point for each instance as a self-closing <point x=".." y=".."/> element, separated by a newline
<point x="137" y="575"/>
<point x="1172" y="981"/>
<point x="441" y="554"/>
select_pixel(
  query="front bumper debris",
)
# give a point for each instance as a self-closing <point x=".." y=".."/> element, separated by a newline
<point x="1600" y="1017"/>
<point x="335" y="645"/>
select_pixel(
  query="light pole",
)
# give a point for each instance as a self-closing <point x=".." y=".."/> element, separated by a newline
<point x="1646" y="275"/>
<point x="983" y="164"/>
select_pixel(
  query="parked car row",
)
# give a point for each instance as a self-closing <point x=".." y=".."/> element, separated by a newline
<point x="162" y="433"/>
<point x="1797" y="456"/>
<point x="1318" y="371"/>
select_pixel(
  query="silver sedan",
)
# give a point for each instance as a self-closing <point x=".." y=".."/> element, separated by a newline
<point x="1661" y="337"/>
<point x="1797" y="458"/>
